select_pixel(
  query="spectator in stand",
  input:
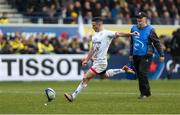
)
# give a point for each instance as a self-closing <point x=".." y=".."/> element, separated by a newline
<point x="127" y="19"/>
<point x="64" y="42"/>
<point x="16" y="43"/>
<point x="45" y="47"/>
<point x="2" y="42"/>
<point x="77" y="7"/>
<point x="74" y="17"/>
<point x="116" y="11"/>
<point x="84" y="45"/>
<point x="86" y="8"/>
<point x="160" y="5"/>
<point x="97" y="11"/>
<point x="105" y="12"/>
<point x="155" y="19"/>
<point x="171" y="8"/>
<point x="65" y="46"/>
<point x="71" y="14"/>
<point x="4" y="19"/>
<point x="31" y="47"/>
<point x="88" y="17"/>
<point x="175" y="48"/>
<point x="74" y="46"/>
<point x="166" y="18"/>
<point x="52" y="15"/>
<point x="70" y="9"/>
<point x="57" y="45"/>
<point x="126" y="8"/>
<point x="5" y="47"/>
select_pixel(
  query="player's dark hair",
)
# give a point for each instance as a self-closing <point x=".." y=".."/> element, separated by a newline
<point x="97" y="19"/>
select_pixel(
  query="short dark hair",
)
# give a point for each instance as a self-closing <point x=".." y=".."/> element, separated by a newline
<point x="97" y="19"/>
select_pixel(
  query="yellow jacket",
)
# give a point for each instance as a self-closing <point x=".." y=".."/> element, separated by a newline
<point x="17" y="44"/>
<point x="4" y="21"/>
<point x="42" y="48"/>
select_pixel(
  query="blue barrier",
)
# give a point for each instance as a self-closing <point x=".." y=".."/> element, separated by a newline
<point x="35" y="29"/>
<point x="158" y="70"/>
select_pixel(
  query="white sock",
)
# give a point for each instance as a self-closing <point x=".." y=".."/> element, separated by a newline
<point x="112" y="72"/>
<point x="78" y="90"/>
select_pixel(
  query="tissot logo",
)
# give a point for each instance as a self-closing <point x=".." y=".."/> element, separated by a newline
<point x="46" y="66"/>
<point x="40" y="66"/>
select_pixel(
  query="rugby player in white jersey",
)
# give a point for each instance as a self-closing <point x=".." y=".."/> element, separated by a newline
<point x="98" y="53"/>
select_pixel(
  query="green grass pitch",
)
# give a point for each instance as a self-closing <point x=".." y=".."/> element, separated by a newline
<point x="100" y="97"/>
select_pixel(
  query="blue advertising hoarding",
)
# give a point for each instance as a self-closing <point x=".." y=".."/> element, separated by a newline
<point x="157" y="69"/>
<point x="35" y="29"/>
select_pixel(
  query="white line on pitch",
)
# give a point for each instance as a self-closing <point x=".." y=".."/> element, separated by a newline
<point x="88" y="93"/>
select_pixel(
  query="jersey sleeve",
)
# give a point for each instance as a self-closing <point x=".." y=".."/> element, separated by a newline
<point x="156" y="42"/>
<point x="111" y="34"/>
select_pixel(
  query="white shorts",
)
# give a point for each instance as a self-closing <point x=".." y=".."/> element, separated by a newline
<point x="98" y="68"/>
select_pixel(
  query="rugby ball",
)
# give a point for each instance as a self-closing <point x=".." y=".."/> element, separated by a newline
<point x="50" y="94"/>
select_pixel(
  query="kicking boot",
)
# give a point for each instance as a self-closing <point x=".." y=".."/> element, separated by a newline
<point x="128" y="70"/>
<point x="68" y="97"/>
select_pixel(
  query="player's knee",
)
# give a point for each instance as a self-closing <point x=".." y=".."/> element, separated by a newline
<point x="103" y="76"/>
<point x="86" y="80"/>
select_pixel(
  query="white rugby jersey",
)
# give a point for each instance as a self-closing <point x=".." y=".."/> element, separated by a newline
<point x="100" y="43"/>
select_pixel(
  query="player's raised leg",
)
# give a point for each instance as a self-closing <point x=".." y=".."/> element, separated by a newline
<point x="113" y="72"/>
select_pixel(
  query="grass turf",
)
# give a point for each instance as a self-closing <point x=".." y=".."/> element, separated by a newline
<point x="100" y="97"/>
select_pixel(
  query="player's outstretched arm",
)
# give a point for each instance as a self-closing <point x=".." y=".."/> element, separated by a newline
<point x="86" y="59"/>
<point x="126" y="34"/>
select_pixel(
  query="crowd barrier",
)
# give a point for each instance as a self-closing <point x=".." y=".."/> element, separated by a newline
<point x="68" y="67"/>
<point x="72" y="30"/>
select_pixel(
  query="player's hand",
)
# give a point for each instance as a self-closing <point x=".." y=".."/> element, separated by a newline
<point x="161" y="58"/>
<point x="136" y="33"/>
<point x="84" y="58"/>
<point x="84" y="62"/>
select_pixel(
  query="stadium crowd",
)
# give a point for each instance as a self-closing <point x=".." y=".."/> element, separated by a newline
<point x="41" y="44"/>
<point x="113" y="11"/>
<point x="44" y="44"/>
